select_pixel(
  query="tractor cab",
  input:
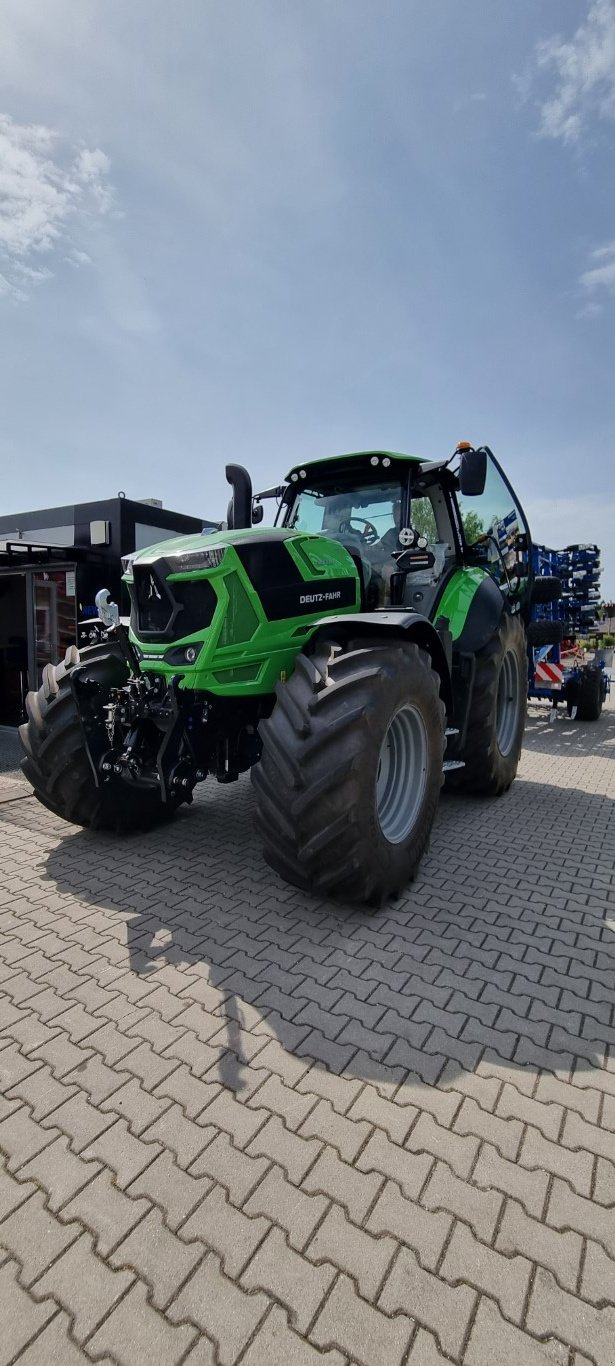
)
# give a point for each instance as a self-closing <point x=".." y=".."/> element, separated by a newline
<point x="391" y="513"/>
<point x="409" y="524"/>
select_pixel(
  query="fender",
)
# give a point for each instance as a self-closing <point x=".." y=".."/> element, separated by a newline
<point x="483" y="617"/>
<point x="399" y="625"/>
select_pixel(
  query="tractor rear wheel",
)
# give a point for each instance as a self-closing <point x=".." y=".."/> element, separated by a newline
<point x="351" y="769"/>
<point x="494" y="733"/>
<point x="57" y="763"/>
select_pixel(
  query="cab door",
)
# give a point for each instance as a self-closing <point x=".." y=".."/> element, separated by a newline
<point x="495" y="534"/>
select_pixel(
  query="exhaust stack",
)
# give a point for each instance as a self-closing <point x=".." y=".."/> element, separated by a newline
<point x="239" y="513"/>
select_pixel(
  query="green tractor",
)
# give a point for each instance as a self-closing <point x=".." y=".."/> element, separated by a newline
<point x="368" y="646"/>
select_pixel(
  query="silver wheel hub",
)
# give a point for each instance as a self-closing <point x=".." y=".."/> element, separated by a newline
<point x="507" y="705"/>
<point x="402" y="774"/>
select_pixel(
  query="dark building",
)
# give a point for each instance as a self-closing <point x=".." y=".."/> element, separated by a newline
<point x="52" y="563"/>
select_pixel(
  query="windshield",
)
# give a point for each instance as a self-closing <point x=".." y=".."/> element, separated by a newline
<point x="348" y="511"/>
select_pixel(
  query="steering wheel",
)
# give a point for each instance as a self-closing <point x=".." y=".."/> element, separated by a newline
<point x="369" y="535"/>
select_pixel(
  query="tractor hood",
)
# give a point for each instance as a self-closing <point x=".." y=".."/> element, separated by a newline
<point x="236" y="585"/>
<point x="196" y="547"/>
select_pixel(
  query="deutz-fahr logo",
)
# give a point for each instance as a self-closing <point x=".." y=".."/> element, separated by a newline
<point x="321" y="597"/>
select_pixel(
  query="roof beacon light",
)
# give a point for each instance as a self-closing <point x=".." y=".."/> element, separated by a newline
<point x="464" y="446"/>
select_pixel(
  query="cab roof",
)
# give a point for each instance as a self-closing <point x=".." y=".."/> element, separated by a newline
<point x="371" y="460"/>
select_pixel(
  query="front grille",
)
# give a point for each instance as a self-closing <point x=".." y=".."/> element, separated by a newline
<point x="154" y="606"/>
<point x="163" y="611"/>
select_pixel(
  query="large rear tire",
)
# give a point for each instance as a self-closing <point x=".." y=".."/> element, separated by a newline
<point x="351" y="769"/>
<point x="498" y="708"/>
<point x="56" y="762"/>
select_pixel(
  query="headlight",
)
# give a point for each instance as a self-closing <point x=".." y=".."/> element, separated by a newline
<point x="197" y="559"/>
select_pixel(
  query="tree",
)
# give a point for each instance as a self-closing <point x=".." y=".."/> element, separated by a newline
<point x="423" y="520"/>
<point x="473" y="526"/>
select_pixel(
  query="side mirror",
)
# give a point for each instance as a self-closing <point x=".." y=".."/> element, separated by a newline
<point x="473" y="472"/>
<point x="258" y="512"/>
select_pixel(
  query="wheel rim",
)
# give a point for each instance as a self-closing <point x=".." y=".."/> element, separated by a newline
<point x="402" y="774"/>
<point x="507" y="709"/>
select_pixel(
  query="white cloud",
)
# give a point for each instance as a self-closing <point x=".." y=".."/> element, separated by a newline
<point x="599" y="279"/>
<point x="48" y="189"/>
<point x="590" y="310"/>
<point x="584" y="70"/>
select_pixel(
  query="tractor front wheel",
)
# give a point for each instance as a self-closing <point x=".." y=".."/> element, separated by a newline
<point x="351" y="770"/>
<point x="56" y="761"/>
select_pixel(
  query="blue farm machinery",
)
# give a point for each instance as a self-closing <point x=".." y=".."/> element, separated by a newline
<point x="562" y="668"/>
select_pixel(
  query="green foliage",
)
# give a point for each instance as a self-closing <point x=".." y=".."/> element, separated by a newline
<point x="422" y="518"/>
<point x="473" y="526"/>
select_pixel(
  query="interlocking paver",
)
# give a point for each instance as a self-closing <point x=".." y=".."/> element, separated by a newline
<point x="342" y="1244"/>
<point x="21" y="1316"/>
<point x="280" y="1271"/>
<point x="506" y="1279"/>
<point x="84" y="1285"/>
<point x="159" y="1257"/>
<point x="497" y="1173"/>
<point x="356" y="1327"/>
<point x="480" y="1209"/>
<point x="54" y="1347"/>
<point x="239" y="1122"/>
<point x="297" y="1213"/>
<point x="237" y="1171"/>
<point x="351" y="1188"/>
<point x="104" y="1209"/>
<point x="221" y="1309"/>
<point x="554" y="1312"/>
<point x="446" y="1310"/>
<point x="410" y="1170"/>
<point x="491" y="1333"/>
<point x="126" y="1155"/>
<point x="174" y="1191"/>
<point x="420" y="1229"/>
<point x="21" y="1138"/>
<point x="35" y="1237"/>
<point x="276" y="1344"/>
<point x="231" y="1234"/>
<point x="560" y="1252"/>
<point x="134" y="1332"/>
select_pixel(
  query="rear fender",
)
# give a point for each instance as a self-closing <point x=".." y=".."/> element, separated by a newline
<point x="403" y="625"/>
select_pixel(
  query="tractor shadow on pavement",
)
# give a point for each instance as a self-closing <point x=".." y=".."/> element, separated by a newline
<point x="501" y="952"/>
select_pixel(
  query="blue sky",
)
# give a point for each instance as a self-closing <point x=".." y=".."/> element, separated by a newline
<point x="269" y="230"/>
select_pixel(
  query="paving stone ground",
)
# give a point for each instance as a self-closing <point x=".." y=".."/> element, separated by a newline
<point x="241" y="1125"/>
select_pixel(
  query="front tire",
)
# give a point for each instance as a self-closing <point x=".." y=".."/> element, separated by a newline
<point x="498" y="707"/>
<point x="56" y="761"/>
<point x="351" y="769"/>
